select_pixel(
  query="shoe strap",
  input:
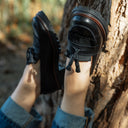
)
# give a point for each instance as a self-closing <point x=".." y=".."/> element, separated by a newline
<point x="73" y="58"/>
<point x="31" y="56"/>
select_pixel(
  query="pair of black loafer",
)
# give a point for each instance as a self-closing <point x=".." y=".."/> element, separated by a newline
<point x="86" y="37"/>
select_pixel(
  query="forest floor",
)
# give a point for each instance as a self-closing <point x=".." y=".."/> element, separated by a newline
<point x="12" y="63"/>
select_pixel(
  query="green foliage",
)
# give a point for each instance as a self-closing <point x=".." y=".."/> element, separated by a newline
<point x="19" y="13"/>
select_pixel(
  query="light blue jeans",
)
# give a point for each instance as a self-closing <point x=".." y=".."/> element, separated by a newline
<point x="13" y="116"/>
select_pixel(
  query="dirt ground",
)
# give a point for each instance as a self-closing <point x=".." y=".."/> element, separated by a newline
<point x="12" y="63"/>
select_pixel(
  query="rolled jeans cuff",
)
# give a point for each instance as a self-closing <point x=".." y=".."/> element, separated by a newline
<point x="20" y="116"/>
<point x="66" y="120"/>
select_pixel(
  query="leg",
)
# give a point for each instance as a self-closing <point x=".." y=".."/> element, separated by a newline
<point x="17" y="110"/>
<point x="72" y="113"/>
<point x="76" y="85"/>
<point x="28" y="88"/>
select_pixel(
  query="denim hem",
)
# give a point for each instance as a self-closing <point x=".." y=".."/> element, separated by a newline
<point x="66" y="120"/>
<point x="19" y="115"/>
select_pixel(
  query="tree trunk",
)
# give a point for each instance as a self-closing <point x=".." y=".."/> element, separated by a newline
<point x="108" y="91"/>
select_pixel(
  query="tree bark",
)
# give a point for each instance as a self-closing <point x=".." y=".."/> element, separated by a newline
<point x="108" y="91"/>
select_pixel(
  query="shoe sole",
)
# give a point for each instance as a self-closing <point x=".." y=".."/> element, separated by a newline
<point x="48" y="28"/>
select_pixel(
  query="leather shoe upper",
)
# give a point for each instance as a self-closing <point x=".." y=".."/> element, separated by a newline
<point x="46" y="48"/>
<point x="86" y="36"/>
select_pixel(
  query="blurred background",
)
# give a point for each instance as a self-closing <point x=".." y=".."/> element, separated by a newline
<point x="16" y="36"/>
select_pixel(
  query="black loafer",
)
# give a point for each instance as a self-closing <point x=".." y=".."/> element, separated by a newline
<point x="46" y="48"/>
<point x="86" y="36"/>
